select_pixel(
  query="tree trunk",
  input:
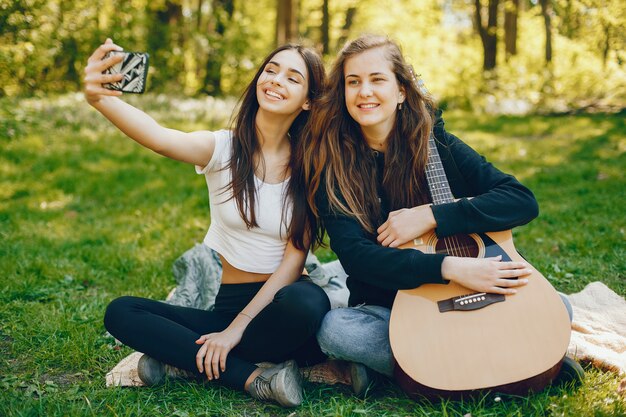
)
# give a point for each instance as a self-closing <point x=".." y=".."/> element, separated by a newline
<point x="345" y="30"/>
<point x="325" y="28"/>
<point x="163" y="37"/>
<point x="489" y="34"/>
<point x="199" y="16"/>
<point x="511" y="10"/>
<point x="68" y="53"/>
<point x="606" y="48"/>
<point x="222" y="14"/>
<point x="546" y="11"/>
<point x="286" y="21"/>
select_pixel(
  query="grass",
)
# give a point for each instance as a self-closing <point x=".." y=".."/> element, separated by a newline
<point x="86" y="215"/>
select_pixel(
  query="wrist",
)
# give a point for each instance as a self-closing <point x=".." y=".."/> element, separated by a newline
<point x="91" y="100"/>
<point x="431" y="216"/>
<point x="447" y="268"/>
<point x="425" y="213"/>
<point x="240" y="322"/>
<point x="241" y="313"/>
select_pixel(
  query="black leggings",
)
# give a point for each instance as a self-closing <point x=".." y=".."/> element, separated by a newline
<point x="284" y="329"/>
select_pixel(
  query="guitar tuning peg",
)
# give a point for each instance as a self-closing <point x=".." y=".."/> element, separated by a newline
<point x="418" y="81"/>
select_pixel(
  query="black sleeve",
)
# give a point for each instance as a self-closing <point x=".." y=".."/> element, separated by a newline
<point x="367" y="261"/>
<point x="499" y="201"/>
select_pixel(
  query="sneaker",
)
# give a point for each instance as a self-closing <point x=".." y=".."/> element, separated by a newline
<point x="153" y="372"/>
<point x="281" y="383"/>
<point x="571" y="373"/>
<point x="361" y="379"/>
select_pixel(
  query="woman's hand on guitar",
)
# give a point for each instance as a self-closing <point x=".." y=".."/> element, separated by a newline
<point x="486" y="274"/>
<point x="406" y="224"/>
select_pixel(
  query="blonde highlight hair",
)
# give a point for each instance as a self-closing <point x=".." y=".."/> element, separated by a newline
<point x="337" y="157"/>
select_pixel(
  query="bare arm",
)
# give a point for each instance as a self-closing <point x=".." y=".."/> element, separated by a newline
<point x="406" y="224"/>
<point x="194" y="148"/>
<point x="211" y="357"/>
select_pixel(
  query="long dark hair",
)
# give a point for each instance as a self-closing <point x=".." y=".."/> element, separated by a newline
<point x="246" y="146"/>
<point x="338" y="158"/>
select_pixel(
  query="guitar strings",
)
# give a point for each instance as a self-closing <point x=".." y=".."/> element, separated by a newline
<point x="441" y="193"/>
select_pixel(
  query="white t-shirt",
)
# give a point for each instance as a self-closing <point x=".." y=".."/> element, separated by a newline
<point x="259" y="249"/>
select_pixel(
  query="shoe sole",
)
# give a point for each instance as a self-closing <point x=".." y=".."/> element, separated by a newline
<point x="360" y="379"/>
<point x="150" y="371"/>
<point x="571" y="373"/>
<point x="289" y="381"/>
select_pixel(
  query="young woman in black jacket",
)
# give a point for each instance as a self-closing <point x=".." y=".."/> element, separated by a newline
<point x="365" y="166"/>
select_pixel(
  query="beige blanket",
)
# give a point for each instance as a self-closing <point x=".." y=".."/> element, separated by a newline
<point x="599" y="328"/>
<point x="598" y="337"/>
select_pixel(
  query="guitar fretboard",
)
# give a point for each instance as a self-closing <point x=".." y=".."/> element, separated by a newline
<point x="436" y="177"/>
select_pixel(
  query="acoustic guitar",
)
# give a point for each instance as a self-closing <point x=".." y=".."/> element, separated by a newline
<point x="450" y="341"/>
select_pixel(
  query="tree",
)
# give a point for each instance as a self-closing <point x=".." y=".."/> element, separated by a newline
<point x="286" y="21"/>
<point x="546" y="11"/>
<point x="325" y="28"/>
<point x="511" y="11"/>
<point x="345" y="30"/>
<point x="164" y="40"/>
<point x="488" y="34"/>
<point x="222" y="14"/>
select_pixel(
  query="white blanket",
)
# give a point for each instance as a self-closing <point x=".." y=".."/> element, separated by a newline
<point x="599" y="328"/>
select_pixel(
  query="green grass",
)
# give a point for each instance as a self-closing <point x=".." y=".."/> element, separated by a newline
<point x="86" y="215"/>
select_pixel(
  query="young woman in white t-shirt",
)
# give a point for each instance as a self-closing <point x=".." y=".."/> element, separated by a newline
<point x="265" y="311"/>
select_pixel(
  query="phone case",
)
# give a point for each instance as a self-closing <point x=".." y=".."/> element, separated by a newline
<point x="135" y="70"/>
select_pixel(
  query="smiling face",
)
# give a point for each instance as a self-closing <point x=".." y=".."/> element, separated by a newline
<point x="372" y="92"/>
<point x="283" y="86"/>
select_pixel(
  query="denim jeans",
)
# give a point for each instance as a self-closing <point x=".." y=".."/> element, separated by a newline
<point x="361" y="334"/>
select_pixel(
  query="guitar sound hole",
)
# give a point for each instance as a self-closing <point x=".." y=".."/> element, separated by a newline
<point x="458" y="245"/>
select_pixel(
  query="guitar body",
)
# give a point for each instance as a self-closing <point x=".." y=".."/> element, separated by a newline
<point x="512" y="343"/>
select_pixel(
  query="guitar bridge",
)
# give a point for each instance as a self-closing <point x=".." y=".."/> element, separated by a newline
<point x="469" y="302"/>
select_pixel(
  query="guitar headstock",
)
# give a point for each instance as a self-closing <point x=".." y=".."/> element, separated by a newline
<point x="418" y="81"/>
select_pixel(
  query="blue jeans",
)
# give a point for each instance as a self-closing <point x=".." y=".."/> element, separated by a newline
<point x="361" y="334"/>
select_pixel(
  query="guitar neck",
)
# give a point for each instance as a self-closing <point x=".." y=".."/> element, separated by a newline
<point x="435" y="175"/>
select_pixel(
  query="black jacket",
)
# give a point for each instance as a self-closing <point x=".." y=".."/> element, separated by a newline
<point x="376" y="272"/>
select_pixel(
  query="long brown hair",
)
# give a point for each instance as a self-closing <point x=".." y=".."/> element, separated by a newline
<point x="246" y="145"/>
<point x="337" y="157"/>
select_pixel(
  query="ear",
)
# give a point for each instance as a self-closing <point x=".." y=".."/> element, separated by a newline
<point x="306" y="106"/>
<point x="401" y="95"/>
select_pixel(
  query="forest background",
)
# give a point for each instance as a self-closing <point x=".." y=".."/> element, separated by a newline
<point x="504" y="56"/>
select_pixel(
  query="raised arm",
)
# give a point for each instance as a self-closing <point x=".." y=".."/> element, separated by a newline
<point x="211" y="357"/>
<point x="194" y="148"/>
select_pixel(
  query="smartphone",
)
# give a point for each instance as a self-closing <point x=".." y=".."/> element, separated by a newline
<point x="134" y="66"/>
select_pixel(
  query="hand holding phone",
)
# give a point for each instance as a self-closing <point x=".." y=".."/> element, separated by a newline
<point x="134" y="67"/>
